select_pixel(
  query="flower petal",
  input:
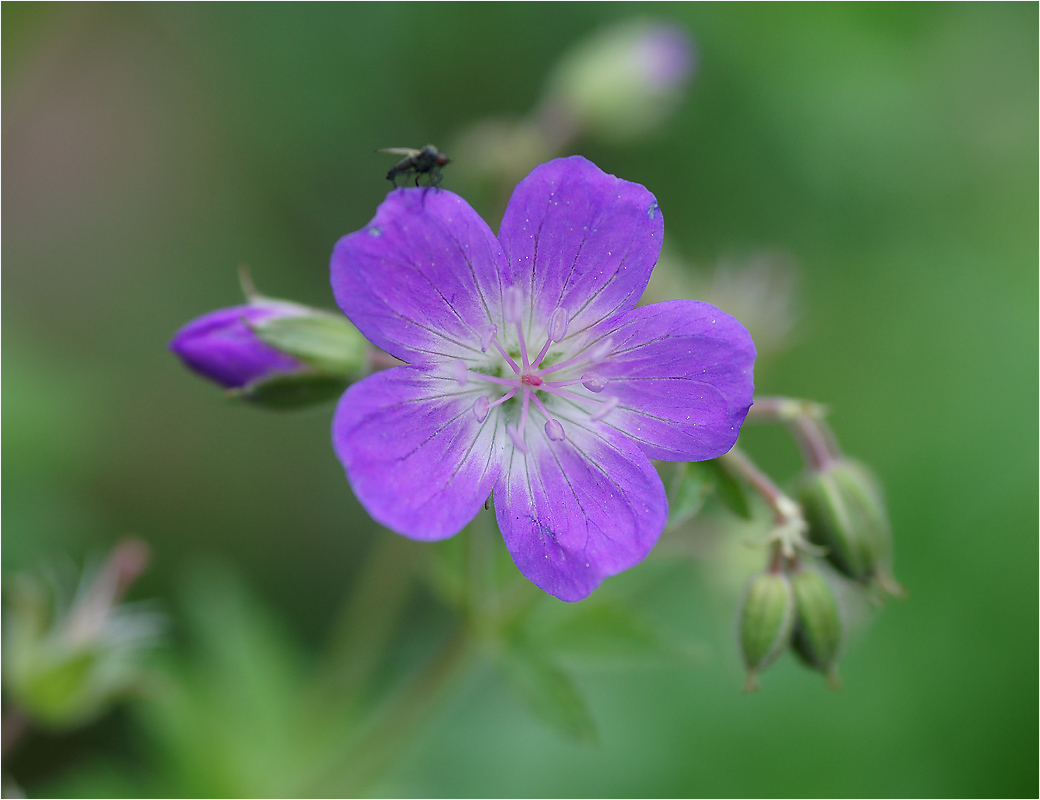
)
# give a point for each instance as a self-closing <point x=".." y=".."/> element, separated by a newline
<point x="576" y="511"/>
<point x="683" y="372"/>
<point x="423" y="279"/>
<point x="578" y="238"/>
<point x="415" y="454"/>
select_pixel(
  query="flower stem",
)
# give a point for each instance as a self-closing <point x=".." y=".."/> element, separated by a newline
<point x="741" y="466"/>
<point x="805" y="421"/>
<point x="367" y="745"/>
<point x="366" y="623"/>
<point x="787" y="514"/>
<point x="481" y="604"/>
<point x="15" y="724"/>
<point x="393" y="725"/>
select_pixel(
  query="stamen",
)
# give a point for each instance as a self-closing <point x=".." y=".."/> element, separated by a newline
<point x="518" y="441"/>
<point x="488" y="338"/>
<point x="554" y="430"/>
<point x="506" y="356"/>
<point x="504" y="397"/>
<point x="460" y="371"/>
<point x="601" y="350"/>
<point x="554" y="388"/>
<point x="593" y="381"/>
<point x="593" y="356"/>
<point x="558" y="325"/>
<point x="480" y="376"/>
<point x="580" y="358"/>
<point x="608" y="405"/>
<point x="513" y="305"/>
<point x="523" y="410"/>
<point x="481" y="407"/>
<point x="541" y="353"/>
<point x="523" y="346"/>
<point x="513" y="310"/>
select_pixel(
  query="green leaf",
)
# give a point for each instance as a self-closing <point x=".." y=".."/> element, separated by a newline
<point x="730" y="491"/>
<point x="689" y="486"/>
<point x="293" y="390"/>
<point x="326" y="342"/>
<point x="547" y="692"/>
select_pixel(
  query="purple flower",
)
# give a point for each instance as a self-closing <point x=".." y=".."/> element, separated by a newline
<point x="531" y="373"/>
<point x="223" y="347"/>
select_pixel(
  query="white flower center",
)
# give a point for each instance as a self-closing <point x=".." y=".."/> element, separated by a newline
<point x="529" y="379"/>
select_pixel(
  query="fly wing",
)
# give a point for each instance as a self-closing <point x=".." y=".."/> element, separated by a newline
<point x="411" y="152"/>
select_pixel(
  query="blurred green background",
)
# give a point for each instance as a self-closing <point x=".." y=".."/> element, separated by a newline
<point x="890" y="150"/>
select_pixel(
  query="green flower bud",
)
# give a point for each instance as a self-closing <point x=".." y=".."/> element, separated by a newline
<point x="325" y="341"/>
<point x="766" y="622"/>
<point x="818" y="632"/>
<point x="621" y="83"/>
<point x="846" y="515"/>
<point x="331" y="351"/>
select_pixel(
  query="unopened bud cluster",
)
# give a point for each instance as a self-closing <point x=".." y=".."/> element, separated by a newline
<point x="846" y="515"/>
<point x="840" y="518"/>
<point x="790" y="605"/>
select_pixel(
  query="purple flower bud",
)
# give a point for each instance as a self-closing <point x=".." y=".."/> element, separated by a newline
<point x="666" y="55"/>
<point x="621" y="83"/>
<point x="223" y="347"/>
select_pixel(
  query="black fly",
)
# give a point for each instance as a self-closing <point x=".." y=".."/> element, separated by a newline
<point x="427" y="161"/>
